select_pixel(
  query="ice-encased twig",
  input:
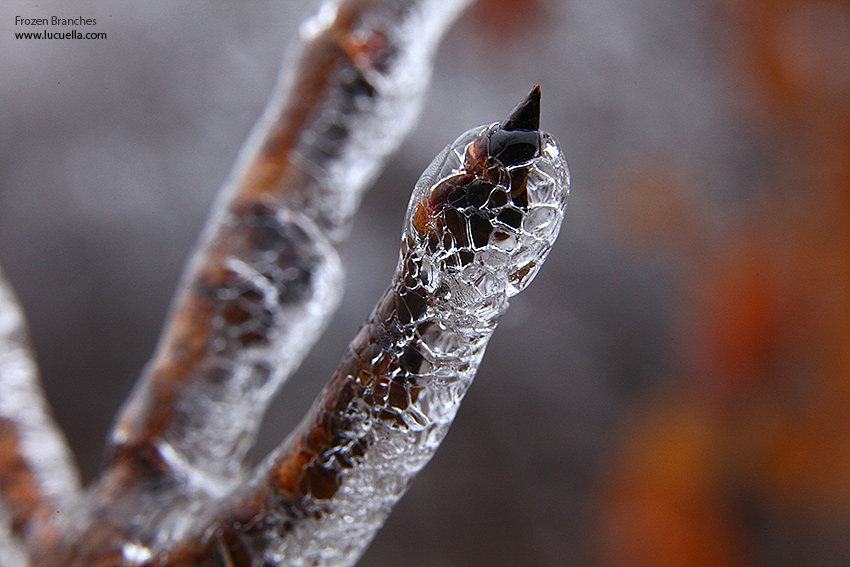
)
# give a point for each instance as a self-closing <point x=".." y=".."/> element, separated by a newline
<point x="266" y="276"/>
<point x="38" y="479"/>
<point x="481" y="221"/>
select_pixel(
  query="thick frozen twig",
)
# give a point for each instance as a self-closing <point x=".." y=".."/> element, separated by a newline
<point x="266" y="276"/>
<point x="480" y="223"/>
<point x="38" y="479"/>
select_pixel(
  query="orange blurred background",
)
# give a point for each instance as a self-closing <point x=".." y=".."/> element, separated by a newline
<point x="744" y="459"/>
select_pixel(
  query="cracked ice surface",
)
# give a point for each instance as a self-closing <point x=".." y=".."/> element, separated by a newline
<point x="476" y="232"/>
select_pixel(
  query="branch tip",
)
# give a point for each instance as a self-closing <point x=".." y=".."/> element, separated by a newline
<point x="526" y="115"/>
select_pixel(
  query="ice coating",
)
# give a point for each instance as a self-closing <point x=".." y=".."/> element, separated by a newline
<point x="263" y="302"/>
<point x="474" y="220"/>
<point x="480" y="223"/>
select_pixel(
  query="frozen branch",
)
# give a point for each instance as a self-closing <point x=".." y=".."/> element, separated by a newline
<point x="38" y="479"/>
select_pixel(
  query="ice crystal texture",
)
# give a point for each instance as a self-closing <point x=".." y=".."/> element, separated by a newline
<point x="478" y="228"/>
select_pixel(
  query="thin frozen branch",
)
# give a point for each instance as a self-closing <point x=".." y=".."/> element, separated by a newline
<point x="38" y="479"/>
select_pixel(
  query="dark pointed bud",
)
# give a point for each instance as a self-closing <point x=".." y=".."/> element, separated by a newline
<point x="517" y="140"/>
<point x="526" y="116"/>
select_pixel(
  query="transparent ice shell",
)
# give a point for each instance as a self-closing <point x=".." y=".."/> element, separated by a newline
<point x="400" y="386"/>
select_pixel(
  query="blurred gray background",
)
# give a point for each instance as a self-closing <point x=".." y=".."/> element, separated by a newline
<point x="111" y="152"/>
